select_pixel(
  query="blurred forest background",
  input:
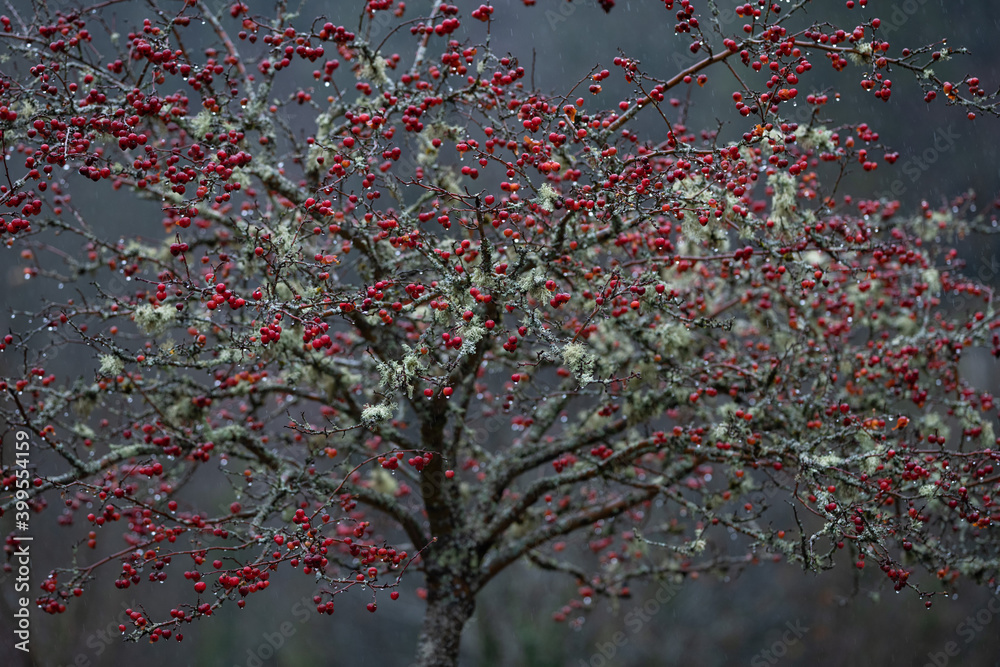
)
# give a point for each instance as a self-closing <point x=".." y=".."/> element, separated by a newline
<point x="837" y="618"/>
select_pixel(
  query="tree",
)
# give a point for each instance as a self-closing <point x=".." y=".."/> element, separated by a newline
<point x="456" y="323"/>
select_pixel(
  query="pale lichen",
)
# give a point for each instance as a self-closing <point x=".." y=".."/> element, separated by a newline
<point x="391" y="374"/>
<point x="933" y="280"/>
<point x="783" y="206"/>
<point x="372" y="415"/>
<point x="672" y="337"/>
<point x="815" y="137"/>
<point x="111" y="365"/>
<point x="152" y="320"/>
<point x="580" y="362"/>
<point x="373" y="69"/>
<point x="640" y="406"/>
<point x="87" y="402"/>
<point x="381" y="480"/>
<point x="827" y="461"/>
<point x="546" y="197"/>
<point x="471" y="334"/>
<point x="988" y="437"/>
<point x="202" y="123"/>
<point x="533" y="283"/>
<point x="932" y="422"/>
<point x="861" y="55"/>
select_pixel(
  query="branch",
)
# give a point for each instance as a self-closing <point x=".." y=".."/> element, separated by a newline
<point x="494" y="563"/>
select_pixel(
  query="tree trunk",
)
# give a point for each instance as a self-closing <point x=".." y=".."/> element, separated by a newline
<point x="450" y="562"/>
<point x="441" y="636"/>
